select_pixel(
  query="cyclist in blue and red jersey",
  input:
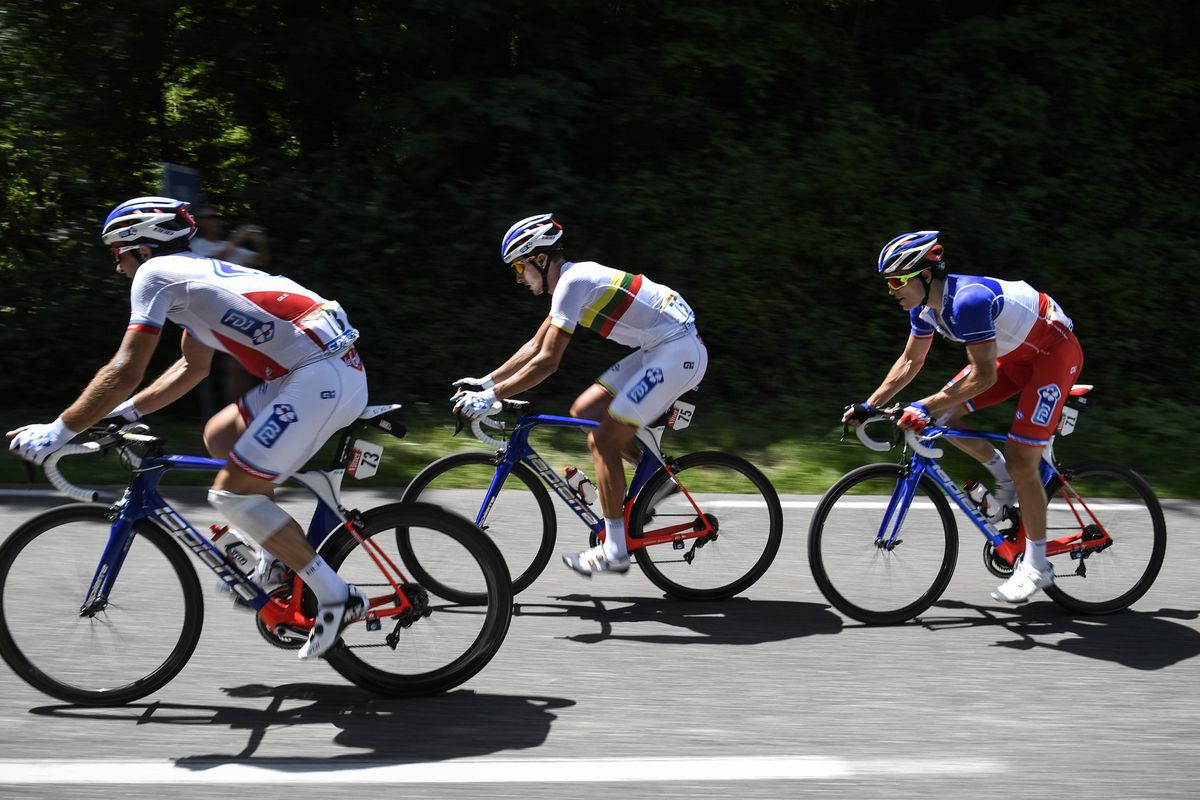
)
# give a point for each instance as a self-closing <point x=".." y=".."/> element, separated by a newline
<point x="1018" y="342"/>
<point x="300" y="344"/>
<point x="625" y="307"/>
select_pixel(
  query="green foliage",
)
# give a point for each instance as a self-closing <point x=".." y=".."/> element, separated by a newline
<point x="752" y="156"/>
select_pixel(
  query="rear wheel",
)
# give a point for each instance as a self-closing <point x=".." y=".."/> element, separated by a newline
<point x="117" y="650"/>
<point x="735" y="499"/>
<point x="444" y="641"/>
<point x="1106" y="498"/>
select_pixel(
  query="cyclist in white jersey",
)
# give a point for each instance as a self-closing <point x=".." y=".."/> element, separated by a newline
<point x="299" y="343"/>
<point x="1019" y="342"/>
<point x="629" y="309"/>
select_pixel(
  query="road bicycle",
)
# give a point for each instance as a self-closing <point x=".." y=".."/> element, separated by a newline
<point x="1106" y="534"/>
<point x="99" y="605"/>
<point x="704" y="526"/>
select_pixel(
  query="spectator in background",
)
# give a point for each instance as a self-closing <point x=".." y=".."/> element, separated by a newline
<point x="210" y="240"/>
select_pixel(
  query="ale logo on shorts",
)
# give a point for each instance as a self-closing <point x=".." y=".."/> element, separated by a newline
<point x="259" y="331"/>
<point x="652" y="378"/>
<point x="269" y="432"/>
<point x="1048" y="397"/>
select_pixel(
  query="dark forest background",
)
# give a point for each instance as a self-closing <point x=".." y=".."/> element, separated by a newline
<point x="754" y="156"/>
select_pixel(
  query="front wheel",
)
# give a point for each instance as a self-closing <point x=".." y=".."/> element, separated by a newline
<point x="116" y="650"/>
<point x="446" y="641"/>
<point x="1098" y="498"/>
<point x="861" y="569"/>
<point x="520" y="521"/>
<point x="709" y="490"/>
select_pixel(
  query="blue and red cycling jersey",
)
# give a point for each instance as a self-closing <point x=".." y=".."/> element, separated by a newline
<point x="1024" y="322"/>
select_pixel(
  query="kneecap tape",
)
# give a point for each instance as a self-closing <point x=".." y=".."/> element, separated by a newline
<point x="253" y="514"/>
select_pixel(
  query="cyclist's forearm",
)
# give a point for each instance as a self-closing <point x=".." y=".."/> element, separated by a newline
<point x="518" y="360"/>
<point x="532" y="373"/>
<point x="176" y="381"/>
<point x="950" y="397"/>
<point x="899" y="376"/>
<point x="111" y="384"/>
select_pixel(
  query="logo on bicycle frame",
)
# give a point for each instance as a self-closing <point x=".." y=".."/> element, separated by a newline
<point x="1048" y="397"/>
<point x="652" y="378"/>
<point x="269" y="432"/>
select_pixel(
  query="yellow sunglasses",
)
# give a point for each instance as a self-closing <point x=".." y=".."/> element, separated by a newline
<point x="900" y="281"/>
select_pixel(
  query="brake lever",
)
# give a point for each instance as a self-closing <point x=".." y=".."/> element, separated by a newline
<point x="458" y="424"/>
<point x="30" y="472"/>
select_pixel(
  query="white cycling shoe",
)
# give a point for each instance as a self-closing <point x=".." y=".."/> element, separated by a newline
<point x="331" y="621"/>
<point x="1025" y="582"/>
<point x="593" y="560"/>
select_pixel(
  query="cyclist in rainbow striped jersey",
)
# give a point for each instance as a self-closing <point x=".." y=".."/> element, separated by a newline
<point x="1018" y="342"/>
<point x="627" y="308"/>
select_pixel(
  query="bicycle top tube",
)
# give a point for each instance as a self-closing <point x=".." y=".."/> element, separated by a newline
<point x="938" y="431"/>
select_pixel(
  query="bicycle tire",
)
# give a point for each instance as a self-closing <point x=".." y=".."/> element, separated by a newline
<point x="525" y="570"/>
<point x="1110" y="564"/>
<point x="389" y="677"/>
<point x="821" y="534"/>
<point x="716" y="553"/>
<point x="33" y="670"/>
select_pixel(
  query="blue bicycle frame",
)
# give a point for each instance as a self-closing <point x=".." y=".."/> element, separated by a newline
<point x="921" y="465"/>
<point x="142" y="500"/>
<point x="519" y="450"/>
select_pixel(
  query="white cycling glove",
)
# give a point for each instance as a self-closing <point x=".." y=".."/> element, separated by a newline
<point x="473" y="405"/>
<point x="36" y="442"/>
<point x="485" y="382"/>
<point x="126" y="411"/>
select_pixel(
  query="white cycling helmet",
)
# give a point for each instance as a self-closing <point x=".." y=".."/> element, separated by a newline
<point x="152" y="221"/>
<point x="528" y="235"/>
<point x="911" y="252"/>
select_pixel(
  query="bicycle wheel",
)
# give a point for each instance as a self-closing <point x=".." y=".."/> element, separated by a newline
<point x="453" y="640"/>
<point x="116" y="654"/>
<point x="743" y="507"/>
<point x="868" y="582"/>
<point x="1116" y="500"/>
<point x="459" y="482"/>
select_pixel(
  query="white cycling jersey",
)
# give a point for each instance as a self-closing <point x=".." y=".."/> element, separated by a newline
<point x="628" y="309"/>
<point x="269" y="323"/>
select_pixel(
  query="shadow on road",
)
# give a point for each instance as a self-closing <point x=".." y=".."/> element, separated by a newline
<point x="736" y="621"/>
<point x="372" y="729"/>
<point x="1146" y="640"/>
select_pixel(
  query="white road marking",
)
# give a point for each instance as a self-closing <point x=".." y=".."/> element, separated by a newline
<point x="882" y="504"/>
<point x="638" y="770"/>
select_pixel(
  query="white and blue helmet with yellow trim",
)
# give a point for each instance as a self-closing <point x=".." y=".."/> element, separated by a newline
<point x="911" y="252"/>
<point x="530" y="234"/>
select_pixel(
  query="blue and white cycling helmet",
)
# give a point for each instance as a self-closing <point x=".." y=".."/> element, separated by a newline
<point x="151" y="221"/>
<point x="911" y="252"/>
<point x="531" y="233"/>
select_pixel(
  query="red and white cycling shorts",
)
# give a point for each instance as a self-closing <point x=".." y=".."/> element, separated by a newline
<point x="1043" y="383"/>
<point x="288" y="419"/>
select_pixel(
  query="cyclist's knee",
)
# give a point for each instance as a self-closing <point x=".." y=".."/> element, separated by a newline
<point x="255" y="515"/>
<point x="221" y="432"/>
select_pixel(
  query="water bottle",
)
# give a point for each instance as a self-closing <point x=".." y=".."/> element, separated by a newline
<point x="584" y="489"/>
<point x="239" y="551"/>
<point x="983" y="499"/>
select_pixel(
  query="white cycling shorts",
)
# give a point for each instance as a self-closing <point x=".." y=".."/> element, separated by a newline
<point x="645" y="383"/>
<point x="287" y="420"/>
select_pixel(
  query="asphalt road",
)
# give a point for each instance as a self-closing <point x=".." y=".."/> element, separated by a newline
<point x="604" y="686"/>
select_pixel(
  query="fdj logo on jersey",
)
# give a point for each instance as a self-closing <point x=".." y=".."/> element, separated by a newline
<point x="269" y="432"/>
<point x="1048" y="397"/>
<point x="652" y="378"/>
<point x="260" y="332"/>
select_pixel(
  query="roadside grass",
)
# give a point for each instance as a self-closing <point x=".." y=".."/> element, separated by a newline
<point x="797" y="461"/>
